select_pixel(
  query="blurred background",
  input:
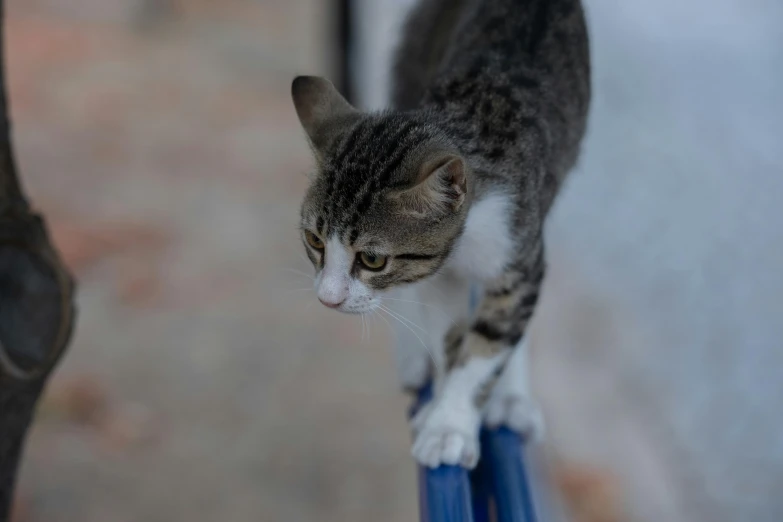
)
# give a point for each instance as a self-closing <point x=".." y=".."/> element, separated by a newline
<point x="203" y="383"/>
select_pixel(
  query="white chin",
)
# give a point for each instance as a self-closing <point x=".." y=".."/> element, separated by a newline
<point x="356" y="310"/>
<point x="348" y="310"/>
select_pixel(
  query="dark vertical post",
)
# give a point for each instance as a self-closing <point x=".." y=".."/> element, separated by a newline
<point x="345" y="41"/>
<point x="10" y="190"/>
<point x="36" y="306"/>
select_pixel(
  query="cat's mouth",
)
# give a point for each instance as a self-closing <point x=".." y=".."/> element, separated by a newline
<point x="353" y="308"/>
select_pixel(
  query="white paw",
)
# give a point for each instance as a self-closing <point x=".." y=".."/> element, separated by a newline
<point x="446" y="435"/>
<point x="515" y="410"/>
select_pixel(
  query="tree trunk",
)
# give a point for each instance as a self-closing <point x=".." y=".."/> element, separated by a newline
<point x="36" y="306"/>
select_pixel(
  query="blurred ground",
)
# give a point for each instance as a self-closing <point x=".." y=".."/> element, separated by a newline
<point x="200" y="384"/>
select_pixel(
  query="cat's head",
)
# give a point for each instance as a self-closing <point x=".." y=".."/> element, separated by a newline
<point x="387" y="202"/>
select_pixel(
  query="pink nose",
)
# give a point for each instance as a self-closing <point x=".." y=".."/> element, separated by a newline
<point x="330" y="304"/>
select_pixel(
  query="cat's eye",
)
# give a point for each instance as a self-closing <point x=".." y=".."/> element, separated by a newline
<point x="371" y="261"/>
<point x="313" y="240"/>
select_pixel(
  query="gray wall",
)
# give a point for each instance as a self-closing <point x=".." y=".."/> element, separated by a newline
<point x="666" y="291"/>
<point x="658" y="341"/>
<point x="376" y="24"/>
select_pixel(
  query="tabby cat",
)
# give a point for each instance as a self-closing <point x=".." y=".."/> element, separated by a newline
<point x="447" y="191"/>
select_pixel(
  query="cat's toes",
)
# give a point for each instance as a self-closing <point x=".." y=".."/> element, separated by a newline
<point x="516" y="411"/>
<point x="446" y="447"/>
<point x="447" y="437"/>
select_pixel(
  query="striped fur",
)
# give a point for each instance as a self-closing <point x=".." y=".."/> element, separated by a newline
<point x="498" y="90"/>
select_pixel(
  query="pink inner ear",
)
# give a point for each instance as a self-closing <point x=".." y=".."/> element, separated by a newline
<point x="440" y="187"/>
<point x="431" y="167"/>
<point x="455" y="173"/>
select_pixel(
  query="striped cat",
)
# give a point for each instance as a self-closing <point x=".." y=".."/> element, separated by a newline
<point x="447" y="190"/>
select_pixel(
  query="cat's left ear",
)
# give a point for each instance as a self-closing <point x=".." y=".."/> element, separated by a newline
<point x="440" y="187"/>
<point x="322" y="111"/>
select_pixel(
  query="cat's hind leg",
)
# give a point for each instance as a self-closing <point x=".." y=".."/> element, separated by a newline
<point x="510" y="403"/>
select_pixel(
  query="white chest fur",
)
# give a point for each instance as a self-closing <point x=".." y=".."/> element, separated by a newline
<point x="486" y="245"/>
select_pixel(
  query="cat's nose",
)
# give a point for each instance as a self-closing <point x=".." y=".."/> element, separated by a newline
<point x="331" y="304"/>
<point x="332" y="290"/>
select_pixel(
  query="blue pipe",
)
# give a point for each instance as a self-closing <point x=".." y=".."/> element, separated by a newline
<point x="481" y="492"/>
<point x="444" y="495"/>
<point x="444" y="492"/>
<point x="503" y="453"/>
<point x="498" y="490"/>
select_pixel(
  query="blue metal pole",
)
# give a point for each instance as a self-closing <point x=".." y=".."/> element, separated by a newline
<point x="503" y="453"/>
<point x="444" y="492"/>
<point x="481" y="491"/>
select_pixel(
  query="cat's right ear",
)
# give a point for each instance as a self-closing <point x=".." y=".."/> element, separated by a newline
<point x="441" y="186"/>
<point x="322" y="111"/>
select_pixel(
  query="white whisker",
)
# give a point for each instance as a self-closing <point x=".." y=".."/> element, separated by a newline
<point x="423" y="304"/>
<point x="437" y="290"/>
<point x="299" y="273"/>
<point x="305" y="259"/>
<point x="402" y="317"/>
<point x="295" y="290"/>
<point x="386" y="321"/>
<point x="377" y="312"/>
<point x="429" y="352"/>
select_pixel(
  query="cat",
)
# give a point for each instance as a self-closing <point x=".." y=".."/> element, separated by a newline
<point x="448" y="191"/>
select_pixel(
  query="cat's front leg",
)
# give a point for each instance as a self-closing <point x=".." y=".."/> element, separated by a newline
<point x="448" y="434"/>
<point x="447" y="431"/>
